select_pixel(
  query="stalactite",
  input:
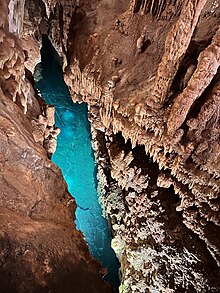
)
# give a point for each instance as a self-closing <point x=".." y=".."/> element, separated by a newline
<point x="208" y="64"/>
<point x="161" y="7"/>
<point x="130" y="113"/>
<point x="208" y="121"/>
<point x="156" y="7"/>
<point x="177" y="42"/>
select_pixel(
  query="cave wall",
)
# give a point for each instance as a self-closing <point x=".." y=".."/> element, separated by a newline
<point x="149" y="70"/>
<point x="40" y="248"/>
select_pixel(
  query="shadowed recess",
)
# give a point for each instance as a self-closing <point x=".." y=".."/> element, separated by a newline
<point x="74" y="156"/>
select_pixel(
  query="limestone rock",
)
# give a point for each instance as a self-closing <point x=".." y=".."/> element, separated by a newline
<point x="41" y="250"/>
<point x="158" y="156"/>
<point x="166" y="104"/>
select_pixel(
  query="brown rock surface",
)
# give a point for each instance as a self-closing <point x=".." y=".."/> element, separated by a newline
<point x="41" y="256"/>
<point x="150" y="71"/>
<point x="40" y="248"/>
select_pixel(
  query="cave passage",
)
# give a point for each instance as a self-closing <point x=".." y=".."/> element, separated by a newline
<point x="74" y="156"/>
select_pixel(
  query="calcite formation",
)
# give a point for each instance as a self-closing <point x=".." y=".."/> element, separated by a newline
<point x="44" y="130"/>
<point x="150" y="75"/>
<point x="40" y="248"/>
<point x="158" y="8"/>
<point x="177" y="42"/>
<point x="149" y="71"/>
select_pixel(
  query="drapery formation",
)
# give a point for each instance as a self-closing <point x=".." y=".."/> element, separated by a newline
<point x="156" y="7"/>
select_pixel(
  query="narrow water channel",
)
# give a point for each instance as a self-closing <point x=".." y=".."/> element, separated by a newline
<point x="74" y="156"/>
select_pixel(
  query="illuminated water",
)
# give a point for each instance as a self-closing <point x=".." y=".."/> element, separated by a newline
<point x="74" y="156"/>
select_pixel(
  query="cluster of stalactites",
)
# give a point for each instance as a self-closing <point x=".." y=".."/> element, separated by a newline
<point x="156" y="7"/>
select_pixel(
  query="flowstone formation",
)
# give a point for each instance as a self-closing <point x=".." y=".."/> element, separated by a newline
<point x="40" y="248"/>
<point x="149" y="71"/>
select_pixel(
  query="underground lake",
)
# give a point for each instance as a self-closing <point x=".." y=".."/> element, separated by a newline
<point x="74" y="155"/>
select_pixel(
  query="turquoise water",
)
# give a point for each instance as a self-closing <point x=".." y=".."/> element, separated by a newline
<point x="74" y="156"/>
